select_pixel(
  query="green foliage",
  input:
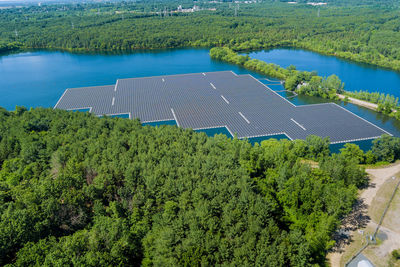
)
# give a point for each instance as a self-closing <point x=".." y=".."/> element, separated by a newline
<point x="228" y="55"/>
<point x="298" y="79"/>
<point x="317" y="147"/>
<point x="386" y="103"/>
<point x="344" y="169"/>
<point x="386" y="148"/>
<point x="396" y="254"/>
<point x="6" y="47"/>
<point x="364" y="31"/>
<point x="323" y="87"/>
<point x="370" y="158"/>
<point x="80" y="190"/>
<point x="303" y="82"/>
<point x="308" y="197"/>
<point x="353" y="152"/>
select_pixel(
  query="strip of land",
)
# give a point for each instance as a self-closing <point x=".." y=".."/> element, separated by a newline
<point x="359" y="102"/>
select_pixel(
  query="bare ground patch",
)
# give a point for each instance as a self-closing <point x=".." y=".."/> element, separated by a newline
<point x="362" y="221"/>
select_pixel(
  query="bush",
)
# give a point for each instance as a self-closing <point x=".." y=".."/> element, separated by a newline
<point x="76" y="189"/>
<point x="396" y="254"/>
<point x="386" y="148"/>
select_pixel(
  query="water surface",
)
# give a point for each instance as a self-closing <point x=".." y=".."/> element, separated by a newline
<point x="34" y="79"/>
<point x="356" y="76"/>
<point x="39" y="78"/>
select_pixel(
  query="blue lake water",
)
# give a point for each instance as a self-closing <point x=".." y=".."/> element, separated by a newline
<point x="159" y="123"/>
<point x="35" y="79"/>
<point x="39" y="78"/>
<point x="123" y="115"/>
<point x="356" y="76"/>
<point x="214" y="131"/>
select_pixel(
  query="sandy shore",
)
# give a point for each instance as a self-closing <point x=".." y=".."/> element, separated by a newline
<point x="359" y="102"/>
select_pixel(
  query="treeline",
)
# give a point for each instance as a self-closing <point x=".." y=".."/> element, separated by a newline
<point x="385" y="149"/>
<point x="346" y="31"/>
<point x="302" y="82"/>
<point x="387" y="104"/>
<point x="272" y="70"/>
<point x="76" y="189"/>
<point x="307" y="83"/>
<point x="9" y="47"/>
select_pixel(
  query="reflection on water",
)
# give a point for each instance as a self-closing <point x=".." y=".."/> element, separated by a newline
<point x="365" y="145"/>
<point x="159" y="123"/>
<point x="213" y="131"/>
<point x="259" y="139"/>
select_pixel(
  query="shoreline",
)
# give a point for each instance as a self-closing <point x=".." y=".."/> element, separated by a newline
<point x="85" y="50"/>
<point x="358" y="102"/>
<point x="361" y="103"/>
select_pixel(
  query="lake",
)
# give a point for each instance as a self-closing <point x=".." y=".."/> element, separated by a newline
<point x="356" y="76"/>
<point x="35" y="79"/>
<point x="39" y="78"/>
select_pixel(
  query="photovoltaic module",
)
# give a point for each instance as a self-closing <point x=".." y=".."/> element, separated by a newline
<point x="240" y="103"/>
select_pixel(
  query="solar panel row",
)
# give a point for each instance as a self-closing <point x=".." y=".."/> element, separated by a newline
<point x="240" y="103"/>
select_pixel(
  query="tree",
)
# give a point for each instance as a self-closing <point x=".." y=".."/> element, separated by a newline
<point x="386" y="148"/>
<point x="108" y="191"/>
<point x="353" y="151"/>
<point x="334" y="83"/>
<point x="396" y="254"/>
<point x="344" y="169"/>
<point x="317" y="147"/>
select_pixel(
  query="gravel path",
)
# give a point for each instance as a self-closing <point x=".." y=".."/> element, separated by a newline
<point x="359" y="102"/>
<point x="377" y="179"/>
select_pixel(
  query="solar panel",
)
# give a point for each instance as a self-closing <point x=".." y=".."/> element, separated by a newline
<point x="240" y="103"/>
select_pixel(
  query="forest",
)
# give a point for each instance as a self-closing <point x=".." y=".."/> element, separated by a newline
<point x="76" y="189"/>
<point x="363" y="31"/>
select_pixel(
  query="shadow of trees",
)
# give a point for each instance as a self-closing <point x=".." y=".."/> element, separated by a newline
<point x="357" y="219"/>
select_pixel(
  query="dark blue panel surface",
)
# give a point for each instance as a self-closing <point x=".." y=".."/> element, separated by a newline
<point x="239" y="104"/>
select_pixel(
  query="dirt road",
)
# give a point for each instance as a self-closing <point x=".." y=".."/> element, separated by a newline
<point x="378" y="177"/>
<point x="392" y="236"/>
<point x="359" y="102"/>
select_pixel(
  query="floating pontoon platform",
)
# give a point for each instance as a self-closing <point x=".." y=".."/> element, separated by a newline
<point x="240" y="103"/>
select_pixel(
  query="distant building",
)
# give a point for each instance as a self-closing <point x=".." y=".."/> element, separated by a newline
<point x="190" y="10"/>
<point x="246" y="2"/>
<point x="316" y="4"/>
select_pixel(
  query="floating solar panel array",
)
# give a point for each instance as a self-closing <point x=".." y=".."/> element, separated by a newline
<point x="240" y="103"/>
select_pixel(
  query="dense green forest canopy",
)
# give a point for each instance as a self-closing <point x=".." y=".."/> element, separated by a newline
<point x="366" y="31"/>
<point x="76" y="189"/>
